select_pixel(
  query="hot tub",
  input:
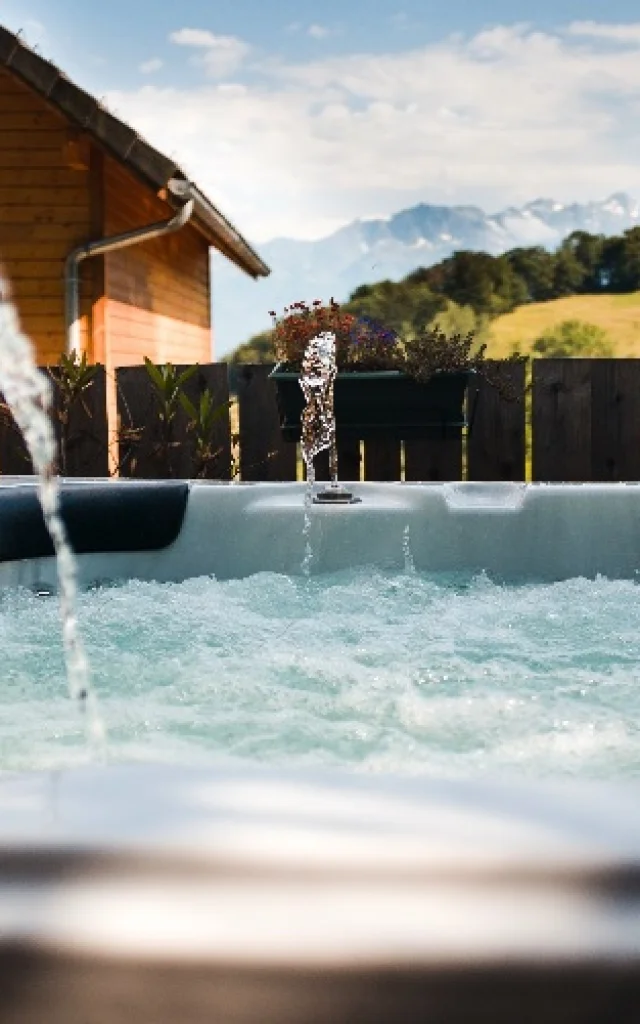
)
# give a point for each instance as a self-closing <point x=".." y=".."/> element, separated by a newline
<point x="243" y="892"/>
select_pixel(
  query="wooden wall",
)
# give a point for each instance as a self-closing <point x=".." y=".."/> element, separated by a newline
<point x="45" y="210"/>
<point x="157" y="292"/>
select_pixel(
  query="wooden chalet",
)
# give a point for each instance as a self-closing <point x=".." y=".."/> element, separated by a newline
<point x="72" y="174"/>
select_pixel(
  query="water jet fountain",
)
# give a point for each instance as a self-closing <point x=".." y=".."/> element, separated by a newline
<point x="317" y="380"/>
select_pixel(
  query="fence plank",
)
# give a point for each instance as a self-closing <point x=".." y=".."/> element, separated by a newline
<point x="561" y="420"/>
<point x="263" y="453"/>
<point x="615" y="420"/>
<point x="435" y="457"/>
<point x="496" y="439"/>
<point x="382" y="459"/>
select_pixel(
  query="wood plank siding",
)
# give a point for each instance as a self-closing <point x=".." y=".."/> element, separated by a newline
<point x="44" y="212"/>
<point x="157" y="292"/>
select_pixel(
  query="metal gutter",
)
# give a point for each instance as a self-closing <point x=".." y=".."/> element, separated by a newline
<point x="178" y="188"/>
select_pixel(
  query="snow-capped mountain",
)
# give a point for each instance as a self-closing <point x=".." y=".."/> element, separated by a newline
<point x="370" y="250"/>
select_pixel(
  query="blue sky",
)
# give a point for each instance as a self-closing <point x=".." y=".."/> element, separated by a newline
<point x="297" y="117"/>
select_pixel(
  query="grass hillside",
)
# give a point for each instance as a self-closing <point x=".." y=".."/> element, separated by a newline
<point x="618" y="315"/>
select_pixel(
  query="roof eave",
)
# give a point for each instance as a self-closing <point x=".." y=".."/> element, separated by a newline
<point x="226" y="239"/>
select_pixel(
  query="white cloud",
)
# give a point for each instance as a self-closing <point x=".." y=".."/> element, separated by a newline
<point x="502" y="117"/>
<point x="149" y="66"/>
<point x="220" y="55"/>
<point x="315" y="30"/>
<point x="193" y="37"/>
<point x="629" y="33"/>
<point x="318" y="31"/>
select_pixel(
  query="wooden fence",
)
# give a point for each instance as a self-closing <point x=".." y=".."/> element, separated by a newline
<point x="571" y="420"/>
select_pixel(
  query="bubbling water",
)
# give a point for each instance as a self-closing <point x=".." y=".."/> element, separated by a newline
<point x="28" y="394"/>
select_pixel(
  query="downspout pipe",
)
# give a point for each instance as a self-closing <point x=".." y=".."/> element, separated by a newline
<point x="179" y="189"/>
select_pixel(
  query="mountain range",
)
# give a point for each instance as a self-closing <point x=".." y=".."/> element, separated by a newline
<point x="370" y="250"/>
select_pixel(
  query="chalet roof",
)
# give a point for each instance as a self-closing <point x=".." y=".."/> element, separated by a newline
<point x="86" y="114"/>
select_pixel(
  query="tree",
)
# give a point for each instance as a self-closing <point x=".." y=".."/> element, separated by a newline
<point x="573" y="338"/>
<point x="535" y="267"/>
<point x="463" y="320"/>
<point x="469" y="280"/>
<point x="631" y="258"/>
<point x="487" y="283"/>
<point x="401" y="306"/>
<point x="587" y="249"/>
<point x="258" y="349"/>
<point x="568" y="273"/>
<point x="620" y="262"/>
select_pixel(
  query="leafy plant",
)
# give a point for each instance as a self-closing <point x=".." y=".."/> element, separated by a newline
<point x="168" y="383"/>
<point x="432" y="351"/>
<point x="73" y="377"/>
<point x="202" y="420"/>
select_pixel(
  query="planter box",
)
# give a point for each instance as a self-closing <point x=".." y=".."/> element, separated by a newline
<point x="383" y="403"/>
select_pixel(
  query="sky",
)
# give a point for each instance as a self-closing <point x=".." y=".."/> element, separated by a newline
<point x="296" y="117"/>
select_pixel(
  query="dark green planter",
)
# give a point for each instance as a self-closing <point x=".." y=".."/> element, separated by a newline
<point x="384" y="403"/>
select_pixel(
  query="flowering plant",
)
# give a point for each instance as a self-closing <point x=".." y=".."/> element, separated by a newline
<point x="361" y="342"/>
<point x="301" y="322"/>
<point x="364" y="344"/>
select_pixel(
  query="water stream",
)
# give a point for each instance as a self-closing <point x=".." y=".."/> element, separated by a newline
<point x="28" y="394"/>
<point x="317" y="379"/>
<point x="409" y="564"/>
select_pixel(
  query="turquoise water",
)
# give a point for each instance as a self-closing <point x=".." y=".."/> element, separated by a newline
<point x="361" y="669"/>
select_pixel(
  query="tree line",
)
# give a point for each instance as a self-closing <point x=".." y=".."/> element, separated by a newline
<point x="469" y="289"/>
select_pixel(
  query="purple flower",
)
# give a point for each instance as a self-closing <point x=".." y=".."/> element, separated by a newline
<point x="366" y="328"/>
